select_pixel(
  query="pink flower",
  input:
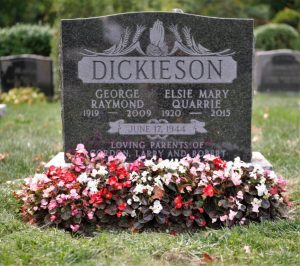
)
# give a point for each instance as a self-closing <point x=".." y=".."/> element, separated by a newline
<point x="193" y="170"/>
<point x="44" y="203"/>
<point x="81" y="149"/>
<point x="74" y="194"/>
<point x="74" y="227"/>
<point x="52" y="204"/>
<point x="224" y="218"/>
<point x="236" y="179"/>
<point x="120" y="157"/>
<point x="61" y="183"/>
<point x="74" y="211"/>
<point x="90" y="215"/>
<point x="53" y="218"/>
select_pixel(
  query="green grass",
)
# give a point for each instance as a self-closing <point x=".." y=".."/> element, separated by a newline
<point x="31" y="134"/>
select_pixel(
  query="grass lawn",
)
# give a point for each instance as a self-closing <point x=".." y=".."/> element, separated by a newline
<point x="30" y="135"/>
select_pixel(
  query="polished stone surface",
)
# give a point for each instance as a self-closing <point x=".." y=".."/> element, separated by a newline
<point x="277" y="70"/>
<point x="158" y="83"/>
<point x="26" y="71"/>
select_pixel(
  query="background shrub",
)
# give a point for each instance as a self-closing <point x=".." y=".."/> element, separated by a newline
<point x="25" y="39"/>
<point x="288" y="16"/>
<point x="22" y="95"/>
<point x="277" y="36"/>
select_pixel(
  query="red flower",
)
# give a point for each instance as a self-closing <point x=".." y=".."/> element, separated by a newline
<point x="273" y="190"/>
<point x="219" y="163"/>
<point x="119" y="214"/>
<point x="96" y="198"/>
<point x="108" y="195"/>
<point x="122" y="206"/>
<point x="189" y="202"/>
<point x="68" y="177"/>
<point x="112" y="166"/>
<point x="178" y="202"/>
<point x="208" y="191"/>
<point x="118" y="186"/>
<point x="192" y="217"/>
<point x="126" y="184"/>
<point x="112" y="180"/>
<point x="201" y="210"/>
<point x="122" y="172"/>
<point x="203" y="223"/>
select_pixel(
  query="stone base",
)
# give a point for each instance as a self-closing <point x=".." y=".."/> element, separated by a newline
<point x="257" y="159"/>
<point x="2" y="110"/>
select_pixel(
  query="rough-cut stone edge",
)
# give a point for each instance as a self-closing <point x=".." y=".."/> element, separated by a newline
<point x="257" y="159"/>
<point x="2" y="110"/>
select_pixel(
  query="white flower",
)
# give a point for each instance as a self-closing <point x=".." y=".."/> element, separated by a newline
<point x="227" y="170"/>
<point x="256" y="203"/>
<point x="92" y="185"/>
<point x="181" y="169"/>
<point x="102" y="170"/>
<point x="261" y="189"/>
<point x="155" y="168"/>
<point x="133" y="176"/>
<point x="139" y="189"/>
<point x="149" y="189"/>
<point x="262" y="180"/>
<point x="135" y="198"/>
<point x="240" y="195"/>
<point x="167" y="178"/>
<point x="224" y="218"/>
<point x="94" y="173"/>
<point x="133" y="213"/>
<point x="157" y="207"/>
<point x="158" y="182"/>
<point x="83" y="178"/>
<point x="129" y="201"/>
<point x="273" y="176"/>
<point x="145" y="173"/>
<point x="236" y="179"/>
<point x="232" y="214"/>
<point x="149" y="163"/>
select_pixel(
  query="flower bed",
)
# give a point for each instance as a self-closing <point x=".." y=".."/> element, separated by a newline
<point x="188" y="193"/>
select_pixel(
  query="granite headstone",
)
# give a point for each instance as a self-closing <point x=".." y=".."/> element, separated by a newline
<point x="158" y="83"/>
<point x="277" y="70"/>
<point x="2" y="109"/>
<point x="26" y="71"/>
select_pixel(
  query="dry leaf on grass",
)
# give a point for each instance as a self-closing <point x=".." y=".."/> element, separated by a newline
<point x="247" y="249"/>
<point x="37" y="158"/>
<point x="3" y="156"/>
<point x="266" y="115"/>
<point x="206" y="258"/>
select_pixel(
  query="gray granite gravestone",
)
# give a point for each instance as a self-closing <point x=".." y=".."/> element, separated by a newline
<point x="26" y="71"/>
<point x="2" y="109"/>
<point x="277" y="70"/>
<point x="158" y="83"/>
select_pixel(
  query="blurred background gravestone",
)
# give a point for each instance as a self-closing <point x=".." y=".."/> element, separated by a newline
<point x="26" y="71"/>
<point x="2" y="109"/>
<point x="277" y="70"/>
